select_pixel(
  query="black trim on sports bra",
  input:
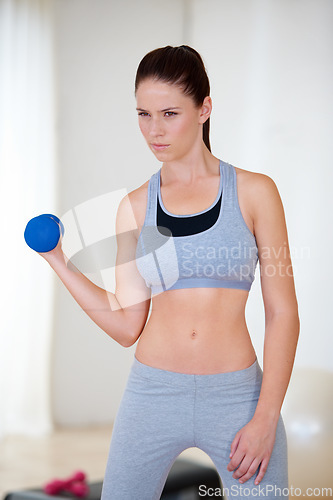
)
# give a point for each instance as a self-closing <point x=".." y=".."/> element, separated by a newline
<point x="185" y="226"/>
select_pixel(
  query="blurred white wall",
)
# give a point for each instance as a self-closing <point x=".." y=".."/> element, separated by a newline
<point x="28" y="188"/>
<point x="270" y="67"/>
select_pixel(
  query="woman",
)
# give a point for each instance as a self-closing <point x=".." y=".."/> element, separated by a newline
<point x="188" y="242"/>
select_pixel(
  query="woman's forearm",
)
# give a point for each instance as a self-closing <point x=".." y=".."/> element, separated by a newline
<point x="281" y="336"/>
<point x="100" y="305"/>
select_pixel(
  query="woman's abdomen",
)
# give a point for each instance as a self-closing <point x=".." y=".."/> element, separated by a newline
<point x="201" y="331"/>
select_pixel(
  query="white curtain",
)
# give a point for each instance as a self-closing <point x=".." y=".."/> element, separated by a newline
<point x="27" y="189"/>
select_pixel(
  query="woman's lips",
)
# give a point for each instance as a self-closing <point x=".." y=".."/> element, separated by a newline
<point x="160" y="147"/>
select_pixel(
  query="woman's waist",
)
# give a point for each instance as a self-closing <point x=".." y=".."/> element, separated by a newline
<point x="195" y="347"/>
<point x="250" y="374"/>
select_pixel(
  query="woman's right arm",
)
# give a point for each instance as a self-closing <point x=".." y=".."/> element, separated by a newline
<point x="123" y="314"/>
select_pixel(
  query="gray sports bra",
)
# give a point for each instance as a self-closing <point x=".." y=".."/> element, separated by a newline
<point x="223" y="256"/>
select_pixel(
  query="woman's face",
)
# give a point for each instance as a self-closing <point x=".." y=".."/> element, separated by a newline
<point x="169" y="120"/>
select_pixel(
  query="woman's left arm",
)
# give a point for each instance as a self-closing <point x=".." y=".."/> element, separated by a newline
<point x="253" y="444"/>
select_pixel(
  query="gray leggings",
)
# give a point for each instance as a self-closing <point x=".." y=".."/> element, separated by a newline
<point x="163" y="413"/>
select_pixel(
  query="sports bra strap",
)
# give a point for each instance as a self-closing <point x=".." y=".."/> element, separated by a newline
<point x="151" y="201"/>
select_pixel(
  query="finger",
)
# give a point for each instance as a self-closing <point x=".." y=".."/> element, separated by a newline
<point x="262" y="470"/>
<point x="243" y="467"/>
<point x="253" y="467"/>
<point x="236" y="460"/>
<point x="234" y="444"/>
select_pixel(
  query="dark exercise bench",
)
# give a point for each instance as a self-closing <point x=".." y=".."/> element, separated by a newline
<point x="183" y="482"/>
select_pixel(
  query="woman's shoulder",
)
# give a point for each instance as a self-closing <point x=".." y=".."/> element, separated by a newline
<point x="254" y="183"/>
<point x="252" y="177"/>
<point x="257" y="190"/>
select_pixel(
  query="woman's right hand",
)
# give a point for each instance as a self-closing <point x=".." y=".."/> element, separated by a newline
<point x="54" y="254"/>
<point x="43" y="234"/>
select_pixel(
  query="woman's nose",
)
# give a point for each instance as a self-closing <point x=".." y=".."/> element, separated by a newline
<point x="156" y="127"/>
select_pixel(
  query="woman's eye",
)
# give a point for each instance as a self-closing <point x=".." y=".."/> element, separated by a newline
<point x="167" y="113"/>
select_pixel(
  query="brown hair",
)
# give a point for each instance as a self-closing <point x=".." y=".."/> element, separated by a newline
<point x="182" y="66"/>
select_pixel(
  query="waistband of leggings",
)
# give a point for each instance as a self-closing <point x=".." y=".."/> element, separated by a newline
<point x="248" y="374"/>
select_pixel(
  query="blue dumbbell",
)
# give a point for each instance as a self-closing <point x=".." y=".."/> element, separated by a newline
<point x="42" y="233"/>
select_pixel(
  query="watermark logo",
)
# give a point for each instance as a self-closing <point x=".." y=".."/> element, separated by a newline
<point x="265" y="491"/>
<point x="90" y="244"/>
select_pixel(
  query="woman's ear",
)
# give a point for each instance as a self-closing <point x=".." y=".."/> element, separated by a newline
<point x="206" y="109"/>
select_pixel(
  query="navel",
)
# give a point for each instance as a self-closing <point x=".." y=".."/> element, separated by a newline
<point x="194" y="334"/>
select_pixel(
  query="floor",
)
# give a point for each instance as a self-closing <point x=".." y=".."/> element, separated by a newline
<point x="32" y="462"/>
